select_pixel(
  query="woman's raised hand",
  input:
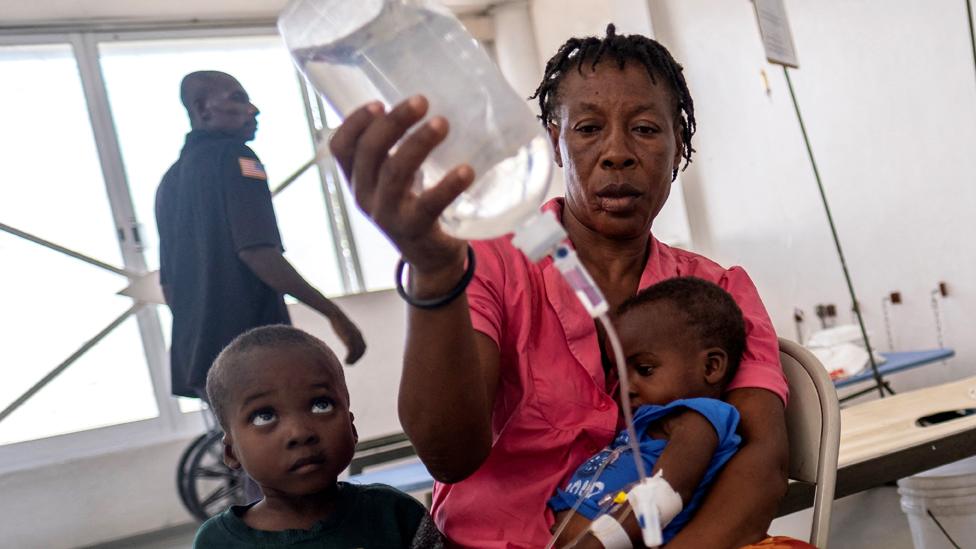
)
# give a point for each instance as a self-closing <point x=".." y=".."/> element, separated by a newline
<point x="381" y="181"/>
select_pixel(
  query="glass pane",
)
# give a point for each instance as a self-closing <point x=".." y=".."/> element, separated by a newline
<point x="52" y="182"/>
<point x="377" y="256"/>
<point x="46" y="321"/>
<point x="52" y="303"/>
<point x="143" y="81"/>
<point x="305" y="230"/>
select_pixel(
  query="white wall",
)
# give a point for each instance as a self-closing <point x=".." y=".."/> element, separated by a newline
<point x="888" y="97"/>
<point x="85" y="501"/>
<point x="375" y="380"/>
<point x="887" y="93"/>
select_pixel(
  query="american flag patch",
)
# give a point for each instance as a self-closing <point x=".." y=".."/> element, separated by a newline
<point x="250" y="167"/>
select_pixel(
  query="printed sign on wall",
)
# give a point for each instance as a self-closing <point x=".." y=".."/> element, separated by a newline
<point x="775" y="30"/>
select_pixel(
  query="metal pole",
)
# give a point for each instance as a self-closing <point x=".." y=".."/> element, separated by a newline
<point x="840" y="253"/>
<point x="972" y="34"/>
<point x="58" y="248"/>
<point x="332" y="183"/>
<point x="316" y="122"/>
<point x="291" y="178"/>
<point x="69" y="361"/>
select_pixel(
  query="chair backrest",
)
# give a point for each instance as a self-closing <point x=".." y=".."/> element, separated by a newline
<point x="813" y="424"/>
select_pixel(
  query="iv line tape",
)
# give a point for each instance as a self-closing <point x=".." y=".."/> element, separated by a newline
<point x="655" y="504"/>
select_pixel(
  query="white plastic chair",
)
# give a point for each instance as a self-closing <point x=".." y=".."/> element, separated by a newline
<point x="813" y="425"/>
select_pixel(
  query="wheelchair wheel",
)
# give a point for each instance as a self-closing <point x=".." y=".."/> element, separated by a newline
<point x="206" y="485"/>
<point x="183" y="470"/>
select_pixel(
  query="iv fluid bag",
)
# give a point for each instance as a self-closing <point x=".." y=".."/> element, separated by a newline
<point x="356" y="51"/>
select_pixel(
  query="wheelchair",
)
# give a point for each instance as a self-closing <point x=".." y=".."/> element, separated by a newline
<point x="205" y="484"/>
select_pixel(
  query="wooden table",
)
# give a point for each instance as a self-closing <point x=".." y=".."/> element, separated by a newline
<point x="881" y="441"/>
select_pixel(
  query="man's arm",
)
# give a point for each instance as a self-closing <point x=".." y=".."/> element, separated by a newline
<point x="747" y="492"/>
<point x="692" y="441"/>
<point x="267" y="263"/>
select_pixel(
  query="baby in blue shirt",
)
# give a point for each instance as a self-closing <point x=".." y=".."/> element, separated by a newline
<point x="683" y="339"/>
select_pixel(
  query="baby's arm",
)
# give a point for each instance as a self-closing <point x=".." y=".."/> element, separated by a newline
<point x="692" y="442"/>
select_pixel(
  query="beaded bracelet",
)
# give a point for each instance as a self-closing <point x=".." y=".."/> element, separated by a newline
<point x="436" y="302"/>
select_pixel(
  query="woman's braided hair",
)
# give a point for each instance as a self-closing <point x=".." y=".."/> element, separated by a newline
<point x="655" y="58"/>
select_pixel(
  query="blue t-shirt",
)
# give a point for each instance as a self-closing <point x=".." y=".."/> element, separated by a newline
<point x="620" y="470"/>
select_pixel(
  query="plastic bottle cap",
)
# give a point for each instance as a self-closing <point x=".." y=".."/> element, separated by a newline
<point x="539" y="235"/>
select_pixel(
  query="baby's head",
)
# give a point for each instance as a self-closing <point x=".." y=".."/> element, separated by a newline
<point x="280" y="396"/>
<point x="683" y="338"/>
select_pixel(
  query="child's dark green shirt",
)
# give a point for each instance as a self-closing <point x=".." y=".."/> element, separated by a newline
<point x="367" y="516"/>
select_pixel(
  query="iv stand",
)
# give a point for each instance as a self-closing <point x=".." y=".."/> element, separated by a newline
<point x="972" y="33"/>
<point x="882" y="386"/>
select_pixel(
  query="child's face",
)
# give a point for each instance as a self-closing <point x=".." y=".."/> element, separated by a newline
<point x="289" y="424"/>
<point x="664" y="360"/>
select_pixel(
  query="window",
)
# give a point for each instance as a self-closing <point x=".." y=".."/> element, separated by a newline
<point x="60" y="94"/>
<point x="376" y="255"/>
<point x="53" y="188"/>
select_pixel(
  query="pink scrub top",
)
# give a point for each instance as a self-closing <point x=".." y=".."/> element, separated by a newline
<point x="553" y="409"/>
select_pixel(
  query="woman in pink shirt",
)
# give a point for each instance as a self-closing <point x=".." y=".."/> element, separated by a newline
<point x="506" y="389"/>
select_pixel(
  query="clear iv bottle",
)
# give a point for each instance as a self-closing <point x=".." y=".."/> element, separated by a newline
<point x="356" y="51"/>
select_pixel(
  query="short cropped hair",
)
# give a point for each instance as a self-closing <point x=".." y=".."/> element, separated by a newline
<point x="221" y="379"/>
<point x="708" y="310"/>
<point x="199" y="85"/>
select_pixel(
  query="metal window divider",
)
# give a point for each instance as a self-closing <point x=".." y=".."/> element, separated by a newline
<point x="85" y="46"/>
<point x="344" y="244"/>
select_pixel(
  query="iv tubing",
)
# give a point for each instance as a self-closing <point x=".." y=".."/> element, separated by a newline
<point x="624" y="388"/>
<point x="542" y="235"/>
<point x="579" y="500"/>
<point x="620" y="359"/>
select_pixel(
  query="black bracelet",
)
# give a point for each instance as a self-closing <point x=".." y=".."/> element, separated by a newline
<point x="437" y="301"/>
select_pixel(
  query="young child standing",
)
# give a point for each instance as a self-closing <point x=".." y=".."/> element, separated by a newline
<point x="683" y="339"/>
<point x="280" y="396"/>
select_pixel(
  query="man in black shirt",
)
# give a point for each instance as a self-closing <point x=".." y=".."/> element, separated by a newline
<point x="221" y="263"/>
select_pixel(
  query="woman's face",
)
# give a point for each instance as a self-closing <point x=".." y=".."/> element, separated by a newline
<point x="617" y="139"/>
